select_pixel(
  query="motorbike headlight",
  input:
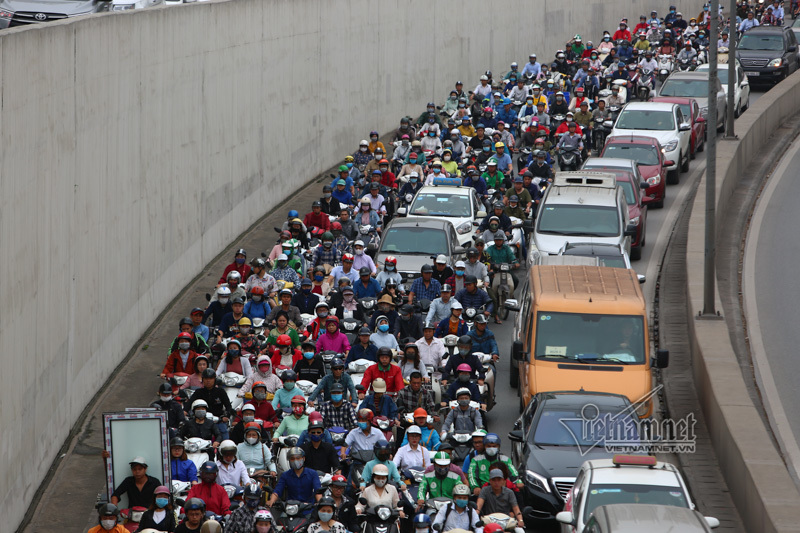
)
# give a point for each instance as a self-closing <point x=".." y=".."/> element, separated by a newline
<point x="672" y="145"/>
<point x="537" y="481"/>
<point x="466" y="227"/>
<point x="192" y="447"/>
<point x="462" y="437"/>
<point x="292" y="510"/>
<point x="777" y="62"/>
<point x="471" y="312"/>
<point x="635" y="221"/>
<point x="384" y="513"/>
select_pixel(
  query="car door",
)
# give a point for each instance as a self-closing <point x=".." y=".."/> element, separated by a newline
<point x="683" y="136"/>
<point x="722" y="103"/>
<point x="743" y="85"/>
<point x="523" y="425"/>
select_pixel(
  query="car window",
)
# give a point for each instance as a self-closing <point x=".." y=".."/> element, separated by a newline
<point x="579" y="219"/>
<point x="645" y="119"/>
<point x="761" y="41"/>
<point x="645" y="154"/>
<point x="628" y="189"/>
<point x="415" y="240"/>
<point x="679" y="114"/>
<point x="630" y="493"/>
<point x="441" y="204"/>
<point x="694" y="88"/>
<point x="527" y="415"/>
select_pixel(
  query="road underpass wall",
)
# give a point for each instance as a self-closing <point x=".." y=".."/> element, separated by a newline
<point x="136" y="146"/>
<point x="754" y="470"/>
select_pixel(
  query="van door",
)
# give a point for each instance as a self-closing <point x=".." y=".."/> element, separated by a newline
<point x="526" y="337"/>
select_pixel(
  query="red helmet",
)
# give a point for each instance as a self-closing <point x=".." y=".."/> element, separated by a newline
<point x="298" y="399"/>
<point x="336" y="225"/>
<point x="464" y="367"/>
<point x="284" y="340"/>
<point x="259" y="384"/>
<point x="487" y="109"/>
<point x="348" y="257"/>
<point x="383" y="162"/>
<point x="391" y="260"/>
<point x="184" y="335"/>
<point x="257" y="290"/>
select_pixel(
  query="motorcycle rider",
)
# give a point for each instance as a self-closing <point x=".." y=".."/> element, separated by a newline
<point x="362" y="437"/>
<point x="687" y="54"/>
<point x="341" y="192"/>
<point x="477" y="448"/>
<point x="431" y="348"/>
<point x="320" y="455"/>
<point x="200" y="426"/>
<point x="424" y="287"/>
<point x="333" y="339"/>
<point x="412" y="186"/>
<point x="181" y="360"/>
<point x="283" y="270"/>
<point x="107" y="520"/>
<point x="498" y="498"/>
<point x="559" y="105"/>
<point x="571" y="140"/>
<point x="404" y="129"/>
<point x="231" y="470"/>
<point x="300" y="483"/>
<point x="362" y="156"/>
<point x="642" y="44"/>
<point x="233" y="360"/>
<point x="414" y="397"/>
<point x="463" y="382"/>
<point x="457" y="514"/>
<point x="474" y="180"/>
<point x="233" y="280"/>
<point x="666" y="48"/>
<point x="337" y="411"/>
<point x="625" y="51"/>
<point x="464" y="417"/>
<point x="449" y="166"/>
<point x="615" y="100"/>
<point x="464" y="355"/>
<point x="378" y="401"/>
<point x="253" y="453"/>
<point x="724" y="42"/>
<point x="366" y="286"/>
<point x="483" y="339"/>
<point x="209" y="491"/>
<point x="243" y="519"/>
<point x="380" y="492"/>
<point x="498" y="221"/>
<point x="456" y="280"/>
<point x="411" y="454"/>
<point x="425" y="117"/>
<point x="622" y="33"/>
<point x="386" y="370"/>
<point x="256" y="306"/>
<point x="453" y="325"/>
<point x="216" y="399"/>
<point x="478" y="473"/>
<point x="325" y="521"/>
<point x="409" y="325"/>
<point x="654" y="34"/>
<point x="482" y="90"/>
<point x="466" y="128"/>
<point x="472" y="296"/>
<point x="238" y="265"/>
<point x="364" y="348"/>
<point x="474" y="267"/>
<point x="478" y="137"/>
<point x="295" y="423"/>
<point x="345" y="507"/>
<point x="181" y="467"/>
<point x="345" y="270"/>
<point x="439" y="483"/>
<point x="383" y="456"/>
<point x="679" y="23"/>
<point x="337" y="377"/>
<point x="330" y="205"/>
<point x="167" y="402"/>
<point x="309" y="368"/>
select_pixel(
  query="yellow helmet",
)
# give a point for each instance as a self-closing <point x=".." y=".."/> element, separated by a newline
<point x="244" y="321"/>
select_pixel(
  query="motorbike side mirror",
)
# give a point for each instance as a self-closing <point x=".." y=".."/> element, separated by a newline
<point x="362" y="501"/>
<point x="180" y="501"/>
<point x="208" y="297"/>
<point x="263" y="254"/>
<point x="479" y="523"/>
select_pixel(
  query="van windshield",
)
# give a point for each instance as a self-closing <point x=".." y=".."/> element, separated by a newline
<point x="590" y="338"/>
<point x="580" y="219"/>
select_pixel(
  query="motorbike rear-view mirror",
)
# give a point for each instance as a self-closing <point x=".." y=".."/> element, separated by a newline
<point x="362" y="501"/>
<point x="437" y="527"/>
<point x="208" y="297"/>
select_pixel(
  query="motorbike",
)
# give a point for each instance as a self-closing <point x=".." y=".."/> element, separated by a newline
<point x="197" y="450"/>
<point x="368" y="304"/>
<point x="644" y="84"/>
<point x="686" y="64"/>
<point x="385" y="425"/>
<point x="665" y="66"/>
<point x="380" y="519"/>
<point x="503" y="286"/>
<point x="369" y="235"/>
<point x="600" y="133"/>
<point x="569" y="158"/>
<point x="306" y="387"/>
<point x="357" y="368"/>
<point x="328" y="356"/>
<point x="412" y="476"/>
<point x="359" y="459"/>
<point x="722" y="55"/>
<point x="282" y="453"/>
<point x="503" y="520"/>
<point x="461" y="441"/>
<point x="131" y="517"/>
<point x="232" y="382"/>
<point x="292" y="517"/>
<point x="469" y="315"/>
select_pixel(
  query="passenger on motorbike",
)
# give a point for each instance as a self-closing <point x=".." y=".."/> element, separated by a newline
<point x="337" y="377"/>
<point x="498" y="221"/>
<point x="231" y="470"/>
<point x="195" y="381"/>
<point x="453" y="325"/>
<point x="181" y="467"/>
<point x="263" y="407"/>
<point x="383" y="456"/>
<point x="520" y="92"/>
<point x="461" y="383"/>
<point x="679" y="23"/>
<point x="325" y="521"/>
<point x="449" y="166"/>
<point x="457" y="514"/>
<point x="290" y="312"/>
<point x="584" y="120"/>
<point x="367" y="215"/>
<point x="197" y="425"/>
<point x="216" y="399"/>
<point x="233" y="360"/>
<point x="404" y="129"/>
<point x="622" y="32"/>
<point x="295" y="423"/>
<point x="253" y="453"/>
<point x="410" y="362"/>
<point x="513" y="208"/>
<point x="654" y="18"/>
<point x="246" y="337"/>
<point x="464" y="355"/>
<point x="362" y="156"/>
<point x="364" y="348"/>
<point x="625" y="50"/>
<point x="477" y="447"/>
<point x="428" y="114"/>
<point x="474" y="180"/>
<point x="330" y="205"/>
<point x="456" y="280"/>
<point x="466" y="128"/>
<point x="174" y="409"/>
<point x="309" y="368"/>
<point x="431" y="348"/>
<point x="333" y="339"/>
<point x="283" y="271"/>
<point x="257" y="306"/>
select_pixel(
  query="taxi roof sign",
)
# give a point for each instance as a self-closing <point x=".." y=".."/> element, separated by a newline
<point x="634" y="460"/>
<point x="451" y="182"/>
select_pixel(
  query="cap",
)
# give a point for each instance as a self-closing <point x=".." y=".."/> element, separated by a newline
<point x="365" y="331"/>
<point x="306" y="282"/>
<point x="379" y="385"/>
<point x="441" y="259"/>
<point x="364" y="271"/>
<point x="283" y="257"/>
<point x="518" y="179"/>
<point x="197" y="310"/>
<point x="138" y="460"/>
<point x="461" y="264"/>
<point x="495" y="473"/>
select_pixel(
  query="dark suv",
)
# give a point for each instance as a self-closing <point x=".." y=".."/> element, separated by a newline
<point x="768" y="54"/>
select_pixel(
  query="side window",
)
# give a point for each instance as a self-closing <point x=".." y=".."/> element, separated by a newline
<point x="527" y="416"/>
<point x="577" y="493"/>
<point x="739" y="75"/>
<point x="678" y="116"/>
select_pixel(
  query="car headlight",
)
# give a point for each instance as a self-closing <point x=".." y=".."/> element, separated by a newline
<point x="777" y="62"/>
<point x="635" y="221"/>
<point x="671" y="146"/>
<point x="6" y="14"/>
<point x="466" y="227"/>
<point x="654" y="180"/>
<point x="537" y="481"/>
<point x="643" y="408"/>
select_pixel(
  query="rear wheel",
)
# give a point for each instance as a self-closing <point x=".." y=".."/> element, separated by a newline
<point x="636" y="253"/>
<point x="674" y="176"/>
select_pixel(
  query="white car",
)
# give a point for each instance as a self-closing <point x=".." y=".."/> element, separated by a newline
<point x="126" y="5"/>
<point x="457" y="203"/>
<point x="741" y="85"/>
<point x="662" y="121"/>
<point x="627" y="479"/>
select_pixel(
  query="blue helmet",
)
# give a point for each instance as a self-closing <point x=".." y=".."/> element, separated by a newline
<point x="422" y="520"/>
<point x="209" y="467"/>
<point x="491" y="438"/>
<point x="293" y="214"/>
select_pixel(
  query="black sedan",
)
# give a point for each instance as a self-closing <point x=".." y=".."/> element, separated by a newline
<point x="557" y="432"/>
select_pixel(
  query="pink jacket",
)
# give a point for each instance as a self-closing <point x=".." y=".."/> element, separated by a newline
<point x="337" y="343"/>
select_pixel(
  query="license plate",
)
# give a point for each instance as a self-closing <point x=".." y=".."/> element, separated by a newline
<point x="753" y="73"/>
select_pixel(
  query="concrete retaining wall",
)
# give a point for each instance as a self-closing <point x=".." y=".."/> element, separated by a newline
<point x="760" y="485"/>
<point x="136" y="146"/>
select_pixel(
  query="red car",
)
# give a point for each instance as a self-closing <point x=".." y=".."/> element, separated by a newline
<point x="646" y="151"/>
<point x="690" y="109"/>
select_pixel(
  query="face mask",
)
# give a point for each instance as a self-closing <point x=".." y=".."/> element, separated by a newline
<point x="315" y="438"/>
<point x="298" y="410"/>
<point x="437" y="170"/>
<point x="318" y="278"/>
<point x="251" y="503"/>
<point x="447" y="158"/>
<point x="227" y="460"/>
<point x="461" y="503"/>
<point x="336" y="398"/>
<point x="223" y="301"/>
<point x="233" y="353"/>
<point x="463" y="377"/>
<point x="108" y="524"/>
<point x="200" y="413"/>
<point x="257" y="297"/>
<point x="297" y="464"/>
<point x="463" y="403"/>
<point x="493" y="227"/>
<point x="380" y="482"/>
<point x="260" y="395"/>
<point x="166" y="398"/>
<point x="308" y="355"/>
<point x="263" y="529"/>
<point x="162" y="502"/>
<point x="485" y="148"/>
<point x="462" y="106"/>
<point x="322" y="314"/>
<point x="363" y="425"/>
<point x="475" y="177"/>
<point x="248" y="418"/>
<point x="240" y="260"/>
<point x="383" y="328"/>
<point x="463" y="351"/>
<point x="491" y="452"/>
<point x="459" y="272"/>
<point x="349" y="165"/>
<point x="325" y="517"/>
<point x="413" y="180"/>
<point x="363" y="148"/>
<point x="289" y="385"/>
<point x="244" y="330"/>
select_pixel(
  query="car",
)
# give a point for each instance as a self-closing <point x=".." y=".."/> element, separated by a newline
<point x="549" y="444"/>
<point x="690" y="110"/>
<point x="650" y="160"/>
<point x="695" y="85"/>
<point x="447" y="198"/>
<point x="626" y="479"/>
<point x="768" y="54"/>
<point x="666" y="123"/>
<point x="630" y="180"/>
<point x="795" y="27"/>
<point x="415" y="241"/>
<point x="608" y="255"/>
<point x="583" y="205"/>
<point x="23" y="12"/>
<point x="741" y="85"/>
<point x="621" y="518"/>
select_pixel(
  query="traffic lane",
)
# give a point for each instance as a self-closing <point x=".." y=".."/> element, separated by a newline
<point x="770" y="288"/>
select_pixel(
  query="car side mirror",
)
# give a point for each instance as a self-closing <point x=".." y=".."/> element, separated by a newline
<point x="644" y="185"/>
<point x="565" y="517"/>
<point x="480" y="214"/>
<point x="669" y="163"/>
<point x="460" y="250"/>
<point x="630" y="230"/>
<point x="686" y="127"/>
<point x="516" y="351"/>
<point x="512" y="304"/>
<point x="515" y="436"/>
<point x="402" y="211"/>
<point x="711" y="522"/>
<point x="662" y="359"/>
<point x="793" y="48"/>
<point x="641" y="277"/>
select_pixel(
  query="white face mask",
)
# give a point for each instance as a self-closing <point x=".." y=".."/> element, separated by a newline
<point x="359" y="251"/>
<point x="183" y="346"/>
<point x="363" y="148"/>
<point x="166" y="398"/>
<point x="108" y="524"/>
<point x="223" y="301"/>
<point x="252" y="440"/>
<point x="380" y="483"/>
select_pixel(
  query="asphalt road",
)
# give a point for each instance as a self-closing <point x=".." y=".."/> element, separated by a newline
<point x="770" y="286"/>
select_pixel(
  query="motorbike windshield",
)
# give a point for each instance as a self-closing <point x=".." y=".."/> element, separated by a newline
<point x="415" y="241"/>
<point x="593" y="221"/>
<point x="569" y="428"/>
<point x="443" y="205"/>
<point x="590" y="338"/>
<point x="761" y="42"/>
<point x="686" y="88"/>
<point x="641" y="119"/>
<point x="642" y="154"/>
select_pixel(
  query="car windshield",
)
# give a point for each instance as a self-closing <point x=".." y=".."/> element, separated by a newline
<point x="686" y="88"/>
<point x="642" y="119"/>
<point x="582" y="219"/>
<point x="590" y="338"/>
<point x="444" y="205"/>
<point x="561" y="427"/>
<point x="761" y="42"/>
<point x="641" y="153"/>
<point x="623" y="493"/>
<point x="414" y="240"/>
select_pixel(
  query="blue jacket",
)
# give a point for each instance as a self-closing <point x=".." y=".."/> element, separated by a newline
<point x="509" y="117"/>
<point x="373" y="288"/>
<point x="183" y="470"/>
<point x="359" y="352"/>
<point x="303" y="488"/>
<point x="430" y="438"/>
<point x="324" y="387"/>
<point x="475" y="300"/>
<point x="479" y="184"/>
<point x="387" y="407"/>
<point x="257" y="309"/>
<point x="343" y="197"/>
<point x="485" y="343"/>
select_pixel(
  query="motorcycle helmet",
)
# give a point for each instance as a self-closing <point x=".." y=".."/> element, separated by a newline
<point x="176" y="441"/>
<point x="108" y="509"/>
<point x="289" y="375"/>
<point x="423" y="521"/>
<point x="441" y="459"/>
<point x="208" y="373"/>
<point x="461" y="490"/>
<point x="382" y="450"/>
<point x="165" y="389"/>
<point x="193" y="504"/>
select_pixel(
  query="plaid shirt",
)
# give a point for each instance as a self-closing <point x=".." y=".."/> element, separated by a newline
<point x="340" y="243"/>
<point x="342" y="416"/>
<point x="408" y="400"/>
<point x="425" y="293"/>
<point x="323" y="256"/>
<point x="242" y="520"/>
<point x="286" y="274"/>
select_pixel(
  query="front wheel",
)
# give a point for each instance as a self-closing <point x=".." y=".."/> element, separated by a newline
<point x="674" y="176"/>
<point x="502" y="311"/>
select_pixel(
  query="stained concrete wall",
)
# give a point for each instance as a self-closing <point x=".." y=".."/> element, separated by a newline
<point x="760" y="485"/>
<point x="135" y="146"/>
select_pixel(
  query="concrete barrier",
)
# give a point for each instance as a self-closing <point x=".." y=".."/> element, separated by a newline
<point x="137" y="145"/>
<point x="754" y="470"/>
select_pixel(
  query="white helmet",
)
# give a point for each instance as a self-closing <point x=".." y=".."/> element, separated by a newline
<point x="461" y="490"/>
<point x="363" y="142"/>
<point x="456" y="305"/>
<point x="380" y="470"/>
<point x="227" y="444"/>
<point x="484" y="78"/>
<point x="223" y="291"/>
<point x="199" y="403"/>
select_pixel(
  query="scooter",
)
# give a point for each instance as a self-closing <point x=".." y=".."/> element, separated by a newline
<point x="357" y="368"/>
<point x="665" y="66"/>
<point x="131" y="517"/>
<point x="644" y="84"/>
<point x="197" y="450"/>
<point x="503" y="287"/>
<point x="232" y="382"/>
<point x="569" y="158"/>
<point x="284" y="443"/>
<point x="292" y="517"/>
<point x="501" y="519"/>
<point x="461" y="441"/>
<point x="380" y="519"/>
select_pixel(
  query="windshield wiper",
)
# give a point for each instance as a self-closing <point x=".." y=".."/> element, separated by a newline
<point x="557" y="232"/>
<point x="593" y="358"/>
<point x="551" y="355"/>
<point x="613" y="360"/>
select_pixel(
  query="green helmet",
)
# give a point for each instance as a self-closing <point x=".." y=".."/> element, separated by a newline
<point x="492" y="161"/>
<point x="441" y="459"/>
<point x="327" y="236"/>
<point x="343" y="168"/>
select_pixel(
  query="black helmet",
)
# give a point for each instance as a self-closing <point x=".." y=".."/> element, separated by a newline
<point x="185" y="321"/>
<point x="176" y="441"/>
<point x="327" y="500"/>
<point x="108" y="509"/>
<point x="472" y="252"/>
<point x="209" y="373"/>
<point x="337" y="363"/>
<point x="289" y="375"/>
<point x="465" y="339"/>
<point x="426" y="268"/>
<point x="382" y="446"/>
<point x="470" y="279"/>
<point x="252" y="492"/>
<point x="165" y="388"/>
<point x="316" y="203"/>
<point x="384" y="351"/>
<point x="194" y="504"/>
<point x="209" y="467"/>
<point x="337" y="387"/>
